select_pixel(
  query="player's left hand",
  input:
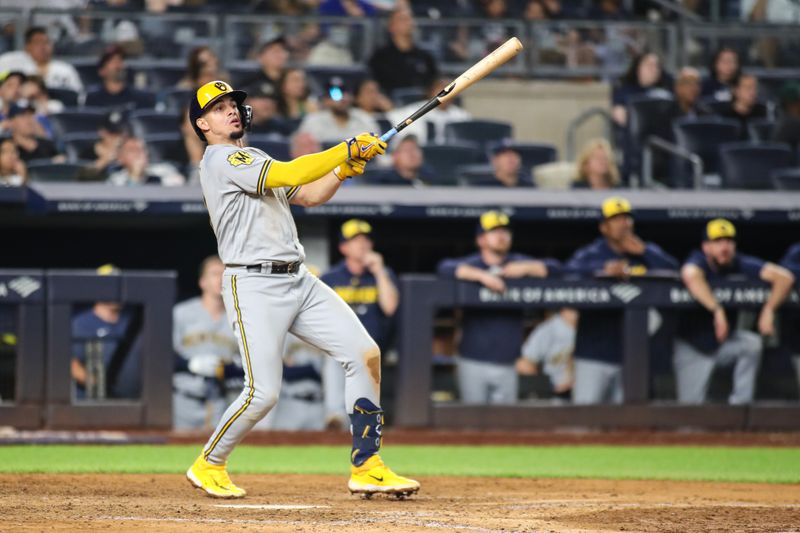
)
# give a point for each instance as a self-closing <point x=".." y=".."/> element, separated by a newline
<point x="350" y="168"/>
<point x="365" y="146"/>
<point x="766" y="322"/>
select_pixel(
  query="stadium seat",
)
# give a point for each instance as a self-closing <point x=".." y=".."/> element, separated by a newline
<point x="241" y="73"/>
<point x="82" y="120"/>
<point x="408" y="95"/>
<point x="760" y="130"/>
<point x="68" y="97"/>
<point x="47" y="171"/>
<point x="147" y="122"/>
<point x="161" y="76"/>
<point x="175" y="100"/>
<point x="318" y="76"/>
<point x="649" y="116"/>
<point x="716" y="106"/>
<point x="478" y="132"/>
<point x="703" y="136"/>
<point x="383" y="177"/>
<point x="444" y="159"/>
<point x="481" y="175"/>
<point x="80" y="146"/>
<point x="167" y="147"/>
<point x="786" y="179"/>
<point x="274" y="145"/>
<point x="533" y="154"/>
<point x="746" y="165"/>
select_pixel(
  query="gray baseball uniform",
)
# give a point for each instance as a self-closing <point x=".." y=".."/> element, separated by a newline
<point x="197" y="400"/>
<point x="254" y="226"/>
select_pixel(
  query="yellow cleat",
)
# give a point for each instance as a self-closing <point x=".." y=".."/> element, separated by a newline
<point x="375" y="477"/>
<point x="213" y="479"/>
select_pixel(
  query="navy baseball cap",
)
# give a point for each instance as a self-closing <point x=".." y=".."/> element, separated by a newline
<point x="19" y="107"/>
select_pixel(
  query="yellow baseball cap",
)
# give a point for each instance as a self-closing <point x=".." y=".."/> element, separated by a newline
<point x="354" y="227"/>
<point x="719" y="228"/>
<point x="492" y="220"/>
<point x="108" y="270"/>
<point x="616" y="205"/>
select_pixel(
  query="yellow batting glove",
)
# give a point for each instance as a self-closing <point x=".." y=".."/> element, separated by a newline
<point x="350" y="168"/>
<point x="365" y="146"/>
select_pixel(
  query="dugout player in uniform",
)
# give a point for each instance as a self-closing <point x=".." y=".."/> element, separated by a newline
<point x="268" y="291"/>
<point x="790" y="332"/>
<point x="617" y="253"/>
<point x="491" y="340"/>
<point x="707" y="338"/>
<point x="370" y="288"/>
<point x="204" y="346"/>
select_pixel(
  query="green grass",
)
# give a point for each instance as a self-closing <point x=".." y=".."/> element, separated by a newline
<point x="772" y="465"/>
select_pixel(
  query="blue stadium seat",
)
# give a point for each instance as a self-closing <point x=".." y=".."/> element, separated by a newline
<point x="746" y="165"/>
<point x="481" y="175"/>
<point x="68" y="97"/>
<point x="81" y="120"/>
<point x="533" y="154"/>
<point x="383" y="177"/>
<point x="175" y="100"/>
<point x="161" y="75"/>
<point x="47" y="171"/>
<point x="274" y="145"/>
<point x="786" y="179"/>
<point x="703" y="136"/>
<point x="760" y="130"/>
<point x="167" y="147"/>
<point x="241" y="72"/>
<point x="80" y="146"/>
<point x="444" y="159"/>
<point x="481" y="133"/>
<point x="408" y="95"/>
<point x="147" y="122"/>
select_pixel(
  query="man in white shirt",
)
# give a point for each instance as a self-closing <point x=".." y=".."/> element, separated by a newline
<point x="37" y="58"/>
<point x="338" y="118"/>
<point x="778" y="11"/>
<point x="442" y="115"/>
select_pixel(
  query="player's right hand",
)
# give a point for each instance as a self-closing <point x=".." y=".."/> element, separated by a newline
<point x="365" y="146"/>
<point x="350" y="168"/>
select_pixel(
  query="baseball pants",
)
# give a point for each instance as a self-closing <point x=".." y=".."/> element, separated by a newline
<point x="693" y="368"/>
<point x="333" y="391"/>
<point x="262" y="308"/>
<point x="597" y="382"/>
<point x="480" y="382"/>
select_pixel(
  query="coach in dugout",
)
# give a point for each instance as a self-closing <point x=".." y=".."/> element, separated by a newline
<point x="618" y="253"/>
<point x="491" y="339"/>
<point x="707" y="337"/>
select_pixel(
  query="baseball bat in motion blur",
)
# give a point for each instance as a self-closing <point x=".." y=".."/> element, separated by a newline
<point x="476" y="72"/>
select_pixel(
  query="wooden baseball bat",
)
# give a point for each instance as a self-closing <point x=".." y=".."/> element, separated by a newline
<point x="476" y="72"/>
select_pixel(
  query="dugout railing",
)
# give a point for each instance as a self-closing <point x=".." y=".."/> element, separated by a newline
<point x="422" y="296"/>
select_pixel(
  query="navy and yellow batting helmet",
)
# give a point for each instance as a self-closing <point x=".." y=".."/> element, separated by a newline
<point x="209" y="93"/>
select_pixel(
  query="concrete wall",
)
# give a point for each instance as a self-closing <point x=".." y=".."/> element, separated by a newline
<point x="539" y="110"/>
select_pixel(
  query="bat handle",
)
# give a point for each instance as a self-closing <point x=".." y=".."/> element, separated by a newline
<point x="389" y="134"/>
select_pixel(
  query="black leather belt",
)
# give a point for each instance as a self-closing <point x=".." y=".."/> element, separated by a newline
<point x="276" y="267"/>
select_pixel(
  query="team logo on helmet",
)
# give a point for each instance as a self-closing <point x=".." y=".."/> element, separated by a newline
<point x="240" y="158"/>
<point x="221" y="86"/>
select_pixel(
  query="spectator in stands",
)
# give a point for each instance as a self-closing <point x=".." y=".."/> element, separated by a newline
<point x="608" y="10"/>
<point x="333" y="50"/>
<point x="204" y="345"/>
<point x="136" y="168"/>
<point x="369" y="98"/>
<point x="113" y="90"/>
<point x="272" y="57"/>
<point x="723" y="72"/>
<point x="401" y="63"/>
<point x="202" y="66"/>
<point x="13" y="172"/>
<point x="491" y="340"/>
<point x="106" y="348"/>
<point x="34" y="91"/>
<point x="28" y="133"/>
<point x="790" y="318"/>
<point x="745" y="106"/>
<point x="788" y="128"/>
<point x="266" y="116"/>
<point x="707" y="337"/>
<point x="337" y="117"/>
<point x="596" y="167"/>
<point x="10" y="92"/>
<point x="37" y="59"/>
<point x="111" y="133"/>
<point x="507" y="167"/>
<point x="687" y="95"/>
<point x="618" y="253"/>
<point x="408" y="166"/>
<point x="195" y="148"/>
<point x="369" y="287"/>
<point x="348" y="8"/>
<point x="435" y="120"/>
<point x="550" y="346"/>
<point x="303" y="143"/>
<point x="777" y="11"/>
<point x="295" y="99"/>
<point x="645" y="77"/>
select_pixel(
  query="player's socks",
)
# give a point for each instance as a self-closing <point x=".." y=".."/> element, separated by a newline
<point x="367" y="424"/>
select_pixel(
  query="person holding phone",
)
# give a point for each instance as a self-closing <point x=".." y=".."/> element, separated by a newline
<point x="337" y="117"/>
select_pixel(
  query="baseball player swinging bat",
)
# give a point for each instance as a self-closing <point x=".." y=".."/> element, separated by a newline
<point x="476" y="72"/>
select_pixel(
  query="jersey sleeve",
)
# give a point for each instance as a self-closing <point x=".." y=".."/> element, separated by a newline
<point x="792" y="260"/>
<point x="247" y="169"/>
<point x="657" y="258"/>
<point x="751" y="266"/>
<point x="291" y="191"/>
<point x="697" y="259"/>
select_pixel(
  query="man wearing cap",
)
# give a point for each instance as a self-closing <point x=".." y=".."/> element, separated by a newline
<point x="708" y="337"/>
<point x="507" y="167"/>
<point x="337" y="118"/>
<point x="28" y="133"/>
<point x="491" y="340"/>
<point x="618" y="253"/>
<point x="37" y="59"/>
<point x="114" y="90"/>
<point x="272" y="56"/>
<point x="370" y="289"/>
<point x="268" y="292"/>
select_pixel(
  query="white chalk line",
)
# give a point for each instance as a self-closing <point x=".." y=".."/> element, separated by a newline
<point x="266" y="507"/>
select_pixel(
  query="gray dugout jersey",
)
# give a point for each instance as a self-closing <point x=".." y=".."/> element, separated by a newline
<point x="253" y="223"/>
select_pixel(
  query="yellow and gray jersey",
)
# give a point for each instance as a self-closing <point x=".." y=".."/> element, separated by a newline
<point x="253" y="223"/>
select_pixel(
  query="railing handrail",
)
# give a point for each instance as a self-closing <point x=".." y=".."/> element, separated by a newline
<point x="672" y="149"/>
<point x="578" y="121"/>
